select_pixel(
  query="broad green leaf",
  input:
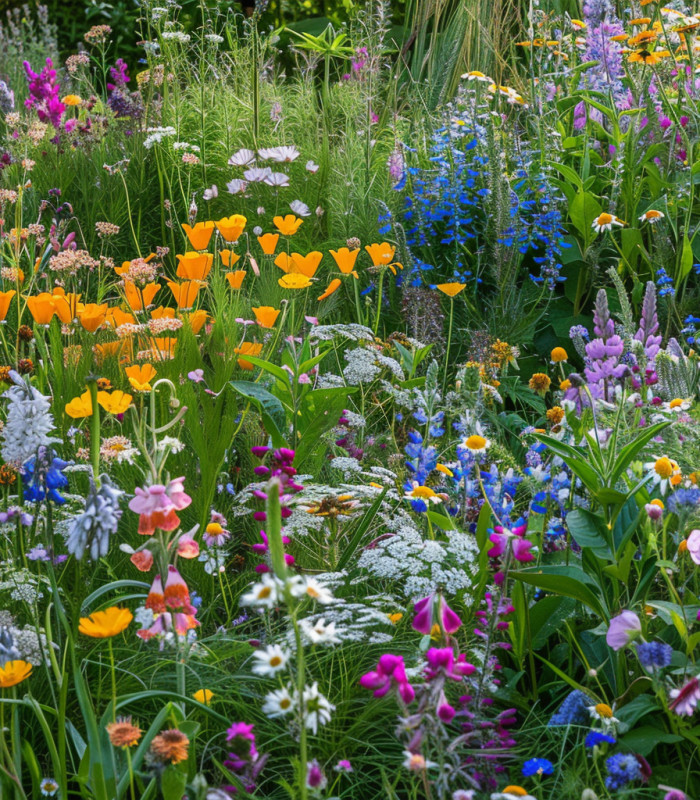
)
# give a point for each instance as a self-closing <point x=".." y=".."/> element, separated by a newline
<point x="588" y="530"/>
<point x="583" y="210"/>
<point x="566" y="581"/>
<point x="269" y="406"/>
<point x="629" y="452"/>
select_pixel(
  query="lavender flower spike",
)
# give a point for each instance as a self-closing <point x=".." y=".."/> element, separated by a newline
<point x="649" y="324"/>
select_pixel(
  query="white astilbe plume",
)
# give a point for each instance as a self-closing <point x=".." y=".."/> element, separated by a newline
<point x="29" y="421"/>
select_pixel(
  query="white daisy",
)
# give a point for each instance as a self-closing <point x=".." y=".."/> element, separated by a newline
<point x="652" y="216"/>
<point x="311" y="167"/>
<point x="416" y="762"/>
<point x="665" y="472"/>
<point x="270" y="661"/>
<point x="319" y="632"/>
<point x="605" y="222"/>
<point x="317" y="709"/>
<point x="278" y="703"/>
<point x="676" y="405"/>
<point x="264" y="594"/>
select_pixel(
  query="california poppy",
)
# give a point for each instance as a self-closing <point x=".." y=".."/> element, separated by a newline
<point x="232" y="227"/>
<point x="288" y="225"/>
<point x="451" y="289"/>
<point x="266" y="316"/>
<point x="381" y="254"/>
<point x="115" y="403"/>
<point x="196" y="320"/>
<point x="163" y="312"/>
<point x="72" y="301"/>
<point x="284" y="262"/>
<point x="228" y="257"/>
<point x="200" y="235"/>
<point x="185" y="293"/>
<point x="116" y="317"/>
<point x="140" y="376"/>
<point x="294" y="280"/>
<point x="194" y="266"/>
<point x="332" y="287"/>
<point x="80" y="407"/>
<point x="308" y="264"/>
<point x="138" y="298"/>
<point x="63" y="310"/>
<point x="41" y="307"/>
<point x="5" y="300"/>
<point x="236" y="278"/>
<point x="248" y="349"/>
<point x="268" y="242"/>
<point x="92" y="315"/>
<point x="345" y="259"/>
<point x="14" y="672"/>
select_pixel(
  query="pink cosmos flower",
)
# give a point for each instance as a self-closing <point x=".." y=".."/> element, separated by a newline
<point x="623" y="628"/>
<point x="684" y="701"/>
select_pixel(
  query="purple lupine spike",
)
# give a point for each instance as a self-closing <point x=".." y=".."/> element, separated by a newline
<point x="649" y="324"/>
<point x="603" y="325"/>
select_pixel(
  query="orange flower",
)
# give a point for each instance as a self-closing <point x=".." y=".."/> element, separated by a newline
<point x="451" y="289"/>
<point x="41" y="307"/>
<point x="137" y="298"/>
<point x="115" y="403"/>
<point x="288" y="225"/>
<point x="231" y="228"/>
<point x="170" y="746"/>
<point x="164" y="348"/>
<point x="14" y="672"/>
<point x="236" y="278"/>
<point x="266" y="316"/>
<point x="116" y="317"/>
<point x="284" y="262"/>
<point x="163" y="312"/>
<point x="185" y="293"/>
<point x="140" y="376"/>
<point x="268" y="242"/>
<point x="5" y="300"/>
<point x="105" y="624"/>
<point x="248" y="349"/>
<point x="381" y="254"/>
<point x="308" y="264"/>
<point x="123" y="733"/>
<point x="92" y="316"/>
<point x="62" y="307"/>
<point x="196" y="320"/>
<point x="123" y="349"/>
<point x="73" y="301"/>
<point x="194" y="266"/>
<point x="200" y="235"/>
<point x="228" y="257"/>
<point x="294" y="281"/>
<point x="345" y="259"/>
<point x="80" y="407"/>
<point x="332" y="287"/>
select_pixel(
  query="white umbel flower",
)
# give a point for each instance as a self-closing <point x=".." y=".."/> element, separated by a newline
<point x="29" y="421"/>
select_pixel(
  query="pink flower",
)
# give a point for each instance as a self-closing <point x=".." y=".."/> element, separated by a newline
<point x="390" y="672"/>
<point x="685" y="700"/>
<point x="187" y="547"/>
<point x="156" y="506"/>
<point x="693" y="542"/>
<point x="142" y="560"/>
<point x="654" y="511"/>
<point x="520" y="546"/>
<point x="623" y="628"/>
<point x="431" y="610"/>
<point x="443" y="659"/>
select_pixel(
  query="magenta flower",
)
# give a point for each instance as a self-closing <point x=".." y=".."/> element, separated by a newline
<point x="519" y="545"/>
<point x="443" y="659"/>
<point x="241" y="739"/>
<point x="622" y="629"/>
<point x="390" y="672"/>
<point x="684" y="701"/>
<point x="431" y="610"/>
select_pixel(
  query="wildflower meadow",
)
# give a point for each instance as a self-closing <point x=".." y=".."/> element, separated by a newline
<point x="349" y="415"/>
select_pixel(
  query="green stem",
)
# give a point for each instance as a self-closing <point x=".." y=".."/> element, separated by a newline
<point x="94" y="432"/>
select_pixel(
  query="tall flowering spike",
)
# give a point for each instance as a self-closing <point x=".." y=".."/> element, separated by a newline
<point x="649" y="323"/>
<point x="100" y="519"/>
<point x="602" y="321"/>
<point x="44" y="93"/>
<point x="29" y="421"/>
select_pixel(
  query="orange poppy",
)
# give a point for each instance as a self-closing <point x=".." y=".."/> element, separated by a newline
<point x="345" y="259"/>
<point x="165" y="348"/>
<point x="284" y="262"/>
<point x="236" y="278"/>
<point x="200" y="235"/>
<point x="80" y="407"/>
<point x="5" y="300"/>
<point x="332" y="287"/>
<point x="138" y="298"/>
<point x="163" y="312"/>
<point x="122" y="349"/>
<point x="266" y="316"/>
<point x="294" y="280"/>
<point x="268" y="242"/>
<point x="248" y="349"/>
<point x="41" y="307"/>
<point x="196" y="320"/>
<point x="185" y="293"/>
<point x="451" y="289"/>
<point x="140" y="376"/>
<point x="228" y="257"/>
<point x="288" y="225"/>
<point x="72" y="299"/>
<point x="381" y="254"/>
<point x="194" y="266"/>
<point x="92" y="315"/>
<point x="115" y="402"/>
<point x="231" y="228"/>
<point x="116" y="317"/>
<point x="63" y="309"/>
<point x="308" y="264"/>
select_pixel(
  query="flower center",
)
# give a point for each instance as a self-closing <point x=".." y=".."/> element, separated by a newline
<point x="475" y="442"/>
<point x="664" y="467"/>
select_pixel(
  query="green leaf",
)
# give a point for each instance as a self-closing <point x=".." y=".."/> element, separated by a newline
<point x="583" y="210"/>
<point x="686" y="257"/>
<point x="629" y="452"/>
<point x="442" y="521"/>
<point x="566" y="581"/>
<point x="270" y="368"/>
<point x="644" y="739"/>
<point x="547" y="616"/>
<point x="114" y="586"/>
<point x="360" y="531"/>
<point x="172" y="783"/>
<point x="270" y="408"/>
<point x="588" y="530"/>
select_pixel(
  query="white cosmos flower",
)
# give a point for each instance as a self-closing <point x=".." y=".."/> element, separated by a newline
<point x="270" y="661"/>
<point x="300" y="209"/>
<point x="319" y="632"/>
<point x="257" y="174"/>
<point x="263" y="594"/>
<point x="311" y="167"/>
<point x="236" y="186"/>
<point x="279" y="154"/>
<point x="211" y="193"/>
<point x="242" y="158"/>
<point x="277" y="179"/>
<point x="278" y="703"/>
<point x="317" y="709"/>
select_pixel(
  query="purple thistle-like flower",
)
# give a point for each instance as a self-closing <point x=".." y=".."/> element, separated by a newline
<point x="649" y="324"/>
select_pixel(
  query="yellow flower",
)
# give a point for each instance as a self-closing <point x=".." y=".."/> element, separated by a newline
<point x="80" y="407"/>
<point x="294" y="280"/>
<point x="345" y="259"/>
<point x="196" y="320"/>
<point x="203" y="696"/>
<point x="235" y="279"/>
<point x="555" y="414"/>
<point x="565" y="384"/>
<point x="540" y="383"/>
<point x="200" y="235"/>
<point x="445" y="470"/>
<point x="71" y="100"/>
<point x="381" y="254"/>
<point x="231" y="228"/>
<point x="268" y="242"/>
<point x="140" y="377"/>
<point x="516" y="791"/>
<point x="107" y="623"/>
<point x="559" y="354"/>
<point x="604" y="710"/>
<point x="394" y="618"/>
<point x="657" y="502"/>
<point x="451" y="289"/>
<point x="14" y="672"/>
<point x="306" y="265"/>
<point x="115" y="403"/>
<point x="476" y="443"/>
<point x="287" y="226"/>
<point x="248" y="349"/>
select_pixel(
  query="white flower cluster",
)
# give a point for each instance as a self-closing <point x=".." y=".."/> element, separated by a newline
<point x="421" y="566"/>
<point x="25" y="644"/>
<point x="186" y="146"/>
<point x="28" y="422"/>
<point x="156" y="135"/>
<point x="352" y="331"/>
<point x="365" y="364"/>
<point x="22" y="586"/>
<point x="177" y="36"/>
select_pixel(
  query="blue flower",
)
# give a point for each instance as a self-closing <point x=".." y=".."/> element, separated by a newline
<point x="622" y="769"/>
<point x="537" y="766"/>
<point x="44" y="477"/>
<point x="573" y="710"/>
<point x="595" y="738"/>
<point x="654" y="655"/>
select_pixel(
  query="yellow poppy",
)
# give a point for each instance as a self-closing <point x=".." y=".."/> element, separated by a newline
<point x="105" y="624"/>
<point x="248" y="349"/>
<point x="138" y="298"/>
<point x="41" y="307"/>
<point x="92" y="315"/>
<point x="345" y="259"/>
<point x="381" y="254"/>
<point x="14" y="672"/>
<point x="266" y="316"/>
<point x="5" y="300"/>
<point x="236" y="278"/>
<point x="308" y="264"/>
<point x="140" y="376"/>
<point x="288" y="225"/>
<point x="185" y="293"/>
<point x="294" y="280"/>
<point x="200" y="235"/>
<point x="115" y="403"/>
<point x="203" y="696"/>
<point x="332" y="287"/>
<point x="228" y="257"/>
<point x="231" y="228"/>
<point x="451" y="289"/>
<point x="268" y="242"/>
<point x="194" y="266"/>
<point x="80" y="407"/>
